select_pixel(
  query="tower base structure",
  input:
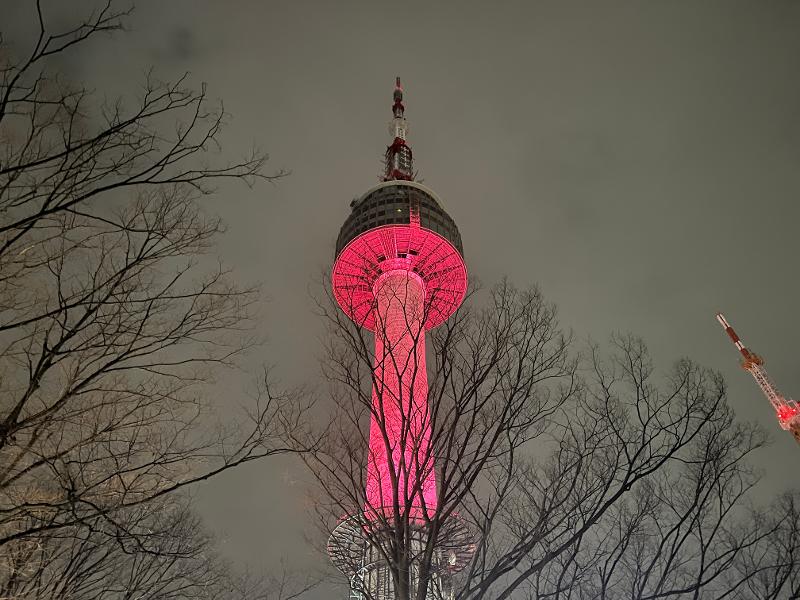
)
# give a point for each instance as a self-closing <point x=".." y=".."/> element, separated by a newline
<point x="358" y="548"/>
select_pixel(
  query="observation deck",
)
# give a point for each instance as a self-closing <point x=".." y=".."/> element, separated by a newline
<point x="399" y="225"/>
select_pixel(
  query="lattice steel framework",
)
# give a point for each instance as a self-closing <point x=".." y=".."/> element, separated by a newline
<point x="786" y="410"/>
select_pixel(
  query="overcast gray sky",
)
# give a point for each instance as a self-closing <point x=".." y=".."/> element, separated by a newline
<point x="638" y="160"/>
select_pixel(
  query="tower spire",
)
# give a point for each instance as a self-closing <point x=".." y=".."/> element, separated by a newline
<point x="399" y="163"/>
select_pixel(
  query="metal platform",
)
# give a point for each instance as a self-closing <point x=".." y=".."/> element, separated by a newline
<point x="356" y="545"/>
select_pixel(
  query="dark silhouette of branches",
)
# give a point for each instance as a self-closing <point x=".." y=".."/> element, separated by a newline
<point x="158" y="552"/>
<point x="578" y="476"/>
<point x="114" y="319"/>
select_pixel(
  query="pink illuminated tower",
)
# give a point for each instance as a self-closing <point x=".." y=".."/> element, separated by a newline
<point x="399" y="271"/>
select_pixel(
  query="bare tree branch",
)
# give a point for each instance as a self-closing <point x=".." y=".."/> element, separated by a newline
<point x="578" y="477"/>
<point x="115" y="319"/>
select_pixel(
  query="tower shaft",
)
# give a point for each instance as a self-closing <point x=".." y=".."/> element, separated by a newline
<point x="400" y="463"/>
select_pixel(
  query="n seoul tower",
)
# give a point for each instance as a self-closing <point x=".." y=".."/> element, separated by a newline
<point x="399" y="271"/>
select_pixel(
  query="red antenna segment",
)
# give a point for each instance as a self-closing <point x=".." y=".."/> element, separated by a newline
<point x="399" y="159"/>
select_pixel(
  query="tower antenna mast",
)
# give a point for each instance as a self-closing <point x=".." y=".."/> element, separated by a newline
<point x="398" y="160"/>
<point x="787" y="410"/>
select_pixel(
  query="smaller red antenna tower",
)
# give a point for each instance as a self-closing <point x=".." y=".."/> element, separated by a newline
<point x="787" y="411"/>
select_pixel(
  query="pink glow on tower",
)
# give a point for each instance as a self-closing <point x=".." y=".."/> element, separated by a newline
<point x="400" y="398"/>
<point x="399" y="281"/>
<point x="398" y="272"/>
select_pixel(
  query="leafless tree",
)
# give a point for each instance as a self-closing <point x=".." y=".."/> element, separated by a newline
<point x="163" y="553"/>
<point x="288" y="584"/>
<point x="160" y="553"/>
<point x="659" y="503"/>
<point x="112" y="325"/>
<point x="578" y="475"/>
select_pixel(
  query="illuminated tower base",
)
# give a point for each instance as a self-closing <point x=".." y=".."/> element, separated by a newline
<point x="354" y="550"/>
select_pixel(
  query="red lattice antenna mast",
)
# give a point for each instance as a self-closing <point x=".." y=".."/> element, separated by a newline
<point x="787" y="411"/>
<point x="399" y="159"/>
